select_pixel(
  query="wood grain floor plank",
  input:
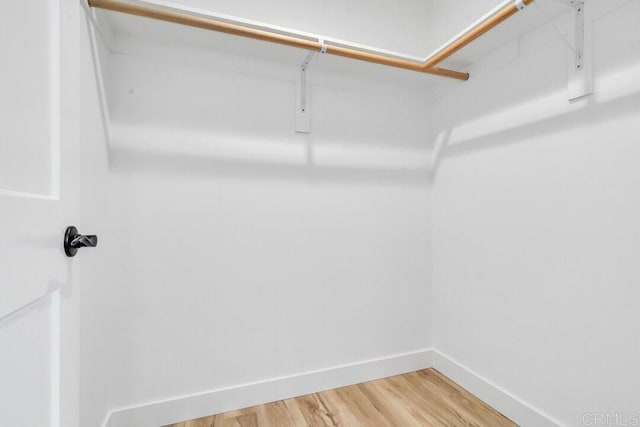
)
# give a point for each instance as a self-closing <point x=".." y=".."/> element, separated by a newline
<point x="241" y="418"/>
<point x="275" y="414"/>
<point x="389" y="401"/>
<point x="444" y="403"/>
<point x="459" y="403"/>
<point x="200" y="422"/>
<point x="429" y="405"/>
<point x="419" y="399"/>
<point x="350" y="407"/>
<point x="310" y="411"/>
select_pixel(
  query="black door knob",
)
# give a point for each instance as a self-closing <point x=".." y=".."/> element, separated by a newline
<point x="74" y="240"/>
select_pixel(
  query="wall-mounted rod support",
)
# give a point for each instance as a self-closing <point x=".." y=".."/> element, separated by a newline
<point x="304" y="87"/>
<point x="430" y="65"/>
<point x="579" y="37"/>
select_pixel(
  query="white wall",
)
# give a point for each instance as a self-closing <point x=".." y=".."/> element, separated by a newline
<point x="233" y="250"/>
<point x="536" y="230"/>
<point x="102" y="278"/>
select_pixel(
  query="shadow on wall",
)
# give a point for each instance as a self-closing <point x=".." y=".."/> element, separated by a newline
<point x="485" y="116"/>
<point x="201" y="153"/>
<point x="593" y="112"/>
<point x="615" y="96"/>
<point x="131" y="161"/>
<point x="192" y="119"/>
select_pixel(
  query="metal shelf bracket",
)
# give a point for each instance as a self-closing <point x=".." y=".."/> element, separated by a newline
<point x="578" y="40"/>
<point x="580" y="83"/>
<point x="579" y="33"/>
<point x="303" y="86"/>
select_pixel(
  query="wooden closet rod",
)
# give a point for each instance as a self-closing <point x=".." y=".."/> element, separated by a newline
<point x="429" y="66"/>
<point x="500" y="14"/>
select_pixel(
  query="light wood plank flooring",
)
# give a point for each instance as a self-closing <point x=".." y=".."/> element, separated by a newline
<point x="423" y="398"/>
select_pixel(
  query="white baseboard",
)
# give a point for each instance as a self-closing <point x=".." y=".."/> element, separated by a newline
<point x="227" y="399"/>
<point x="510" y="406"/>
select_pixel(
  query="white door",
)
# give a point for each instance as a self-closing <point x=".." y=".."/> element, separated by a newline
<point x="38" y="199"/>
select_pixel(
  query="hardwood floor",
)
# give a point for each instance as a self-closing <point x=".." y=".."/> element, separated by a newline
<point x="423" y="398"/>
